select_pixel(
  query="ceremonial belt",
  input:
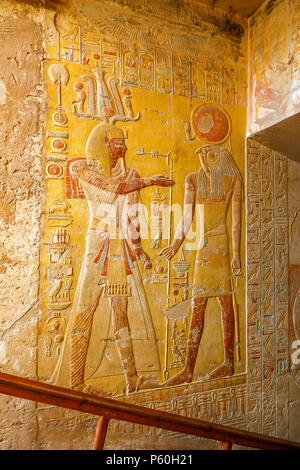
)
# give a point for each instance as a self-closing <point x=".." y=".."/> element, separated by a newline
<point x="97" y="224"/>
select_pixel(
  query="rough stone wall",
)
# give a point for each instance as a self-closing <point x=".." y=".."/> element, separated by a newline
<point x="21" y="117"/>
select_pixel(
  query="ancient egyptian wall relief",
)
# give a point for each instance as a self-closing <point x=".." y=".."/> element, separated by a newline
<point x="267" y="290"/>
<point x="274" y="63"/>
<point x="143" y="251"/>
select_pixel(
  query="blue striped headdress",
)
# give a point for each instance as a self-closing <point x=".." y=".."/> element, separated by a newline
<point x="225" y="166"/>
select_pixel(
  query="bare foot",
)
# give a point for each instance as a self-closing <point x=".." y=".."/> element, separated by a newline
<point x="92" y="391"/>
<point x="142" y="383"/>
<point x="147" y="383"/>
<point x="131" y="384"/>
<point x="182" y="377"/>
<point x="223" y="370"/>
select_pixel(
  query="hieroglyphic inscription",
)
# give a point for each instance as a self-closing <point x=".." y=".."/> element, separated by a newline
<point x="219" y="401"/>
<point x="267" y="291"/>
<point x="113" y="76"/>
<point x="267" y="277"/>
<point x="254" y="286"/>
<point x="149" y="67"/>
<point x="282" y="289"/>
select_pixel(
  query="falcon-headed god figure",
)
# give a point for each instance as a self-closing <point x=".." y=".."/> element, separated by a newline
<point x="213" y="189"/>
<point x="110" y="332"/>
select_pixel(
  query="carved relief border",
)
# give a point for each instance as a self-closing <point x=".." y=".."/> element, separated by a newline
<point x="220" y="401"/>
<point x="267" y="290"/>
<point x="254" y="286"/>
<point x="282" y="291"/>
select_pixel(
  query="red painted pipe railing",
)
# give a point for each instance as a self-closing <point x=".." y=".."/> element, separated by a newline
<point x="108" y="409"/>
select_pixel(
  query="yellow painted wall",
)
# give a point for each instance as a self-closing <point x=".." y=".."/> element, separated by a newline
<point x="189" y="82"/>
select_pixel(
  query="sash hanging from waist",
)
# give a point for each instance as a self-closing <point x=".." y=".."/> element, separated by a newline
<point x="102" y="258"/>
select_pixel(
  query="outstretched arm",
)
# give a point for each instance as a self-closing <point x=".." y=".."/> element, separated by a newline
<point x="186" y="220"/>
<point x="136" y="184"/>
<point x="102" y="182"/>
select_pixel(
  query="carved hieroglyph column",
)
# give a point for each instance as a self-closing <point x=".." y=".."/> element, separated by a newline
<point x="267" y="290"/>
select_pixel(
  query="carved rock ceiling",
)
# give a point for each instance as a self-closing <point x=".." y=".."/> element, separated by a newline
<point x="244" y="8"/>
<point x="178" y="25"/>
<point x="241" y="7"/>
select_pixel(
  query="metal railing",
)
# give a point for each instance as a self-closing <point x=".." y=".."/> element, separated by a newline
<point x="108" y="409"/>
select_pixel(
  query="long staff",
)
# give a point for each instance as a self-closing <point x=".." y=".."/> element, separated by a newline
<point x="170" y="165"/>
<point x="236" y="311"/>
<point x="169" y="161"/>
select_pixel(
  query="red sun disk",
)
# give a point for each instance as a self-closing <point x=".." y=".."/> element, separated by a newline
<point x="221" y="124"/>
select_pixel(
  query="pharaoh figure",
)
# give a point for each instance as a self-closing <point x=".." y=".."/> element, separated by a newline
<point x="110" y="332"/>
<point x="216" y="186"/>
